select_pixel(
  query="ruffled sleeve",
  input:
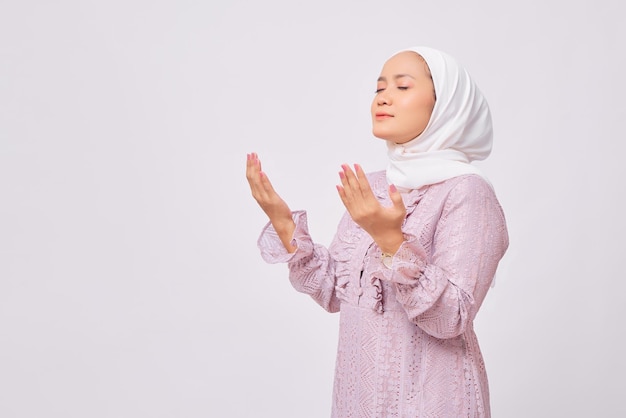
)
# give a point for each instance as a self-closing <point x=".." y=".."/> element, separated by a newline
<point x="408" y="263"/>
<point x="311" y="269"/>
<point x="272" y="249"/>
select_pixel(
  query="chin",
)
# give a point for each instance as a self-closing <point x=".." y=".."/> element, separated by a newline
<point x="382" y="135"/>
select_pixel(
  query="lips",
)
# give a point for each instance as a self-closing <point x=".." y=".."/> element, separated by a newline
<point x="383" y="115"/>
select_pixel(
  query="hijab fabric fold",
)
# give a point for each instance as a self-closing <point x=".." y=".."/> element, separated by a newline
<point x="459" y="130"/>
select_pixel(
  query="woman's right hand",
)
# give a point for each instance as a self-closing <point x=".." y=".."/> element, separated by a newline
<point x="272" y="204"/>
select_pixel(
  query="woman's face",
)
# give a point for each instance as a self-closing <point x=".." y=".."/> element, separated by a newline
<point x="405" y="97"/>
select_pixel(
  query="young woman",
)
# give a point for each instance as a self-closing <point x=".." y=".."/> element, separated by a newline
<point x="415" y="253"/>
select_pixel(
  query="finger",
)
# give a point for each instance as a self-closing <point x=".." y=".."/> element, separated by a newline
<point x="347" y="190"/>
<point x="350" y="181"/>
<point x="252" y="169"/>
<point x="257" y="179"/>
<point x="396" y="197"/>
<point x="342" y="195"/>
<point x="258" y="161"/>
<point x="350" y="177"/>
<point x="364" y="183"/>
<point x="345" y="199"/>
<point x="344" y="184"/>
<point x="262" y="180"/>
<point x="252" y="161"/>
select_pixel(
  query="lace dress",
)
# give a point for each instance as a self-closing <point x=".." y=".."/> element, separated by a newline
<point x="407" y="347"/>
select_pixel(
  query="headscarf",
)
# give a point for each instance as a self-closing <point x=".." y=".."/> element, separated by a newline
<point x="459" y="130"/>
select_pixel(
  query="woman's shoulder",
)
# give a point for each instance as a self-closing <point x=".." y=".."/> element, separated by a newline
<point x="470" y="189"/>
<point x="465" y="183"/>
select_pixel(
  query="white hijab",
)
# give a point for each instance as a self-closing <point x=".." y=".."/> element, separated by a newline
<point x="459" y="130"/>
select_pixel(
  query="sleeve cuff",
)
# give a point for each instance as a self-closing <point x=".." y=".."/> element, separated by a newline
<point x="407" y="265"/>
<point x="272" y="249"/>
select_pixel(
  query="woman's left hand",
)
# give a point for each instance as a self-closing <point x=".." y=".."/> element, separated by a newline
<point x="384" y="224"/>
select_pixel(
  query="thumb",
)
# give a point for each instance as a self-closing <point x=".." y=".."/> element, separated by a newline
<point x="396" y="197"/>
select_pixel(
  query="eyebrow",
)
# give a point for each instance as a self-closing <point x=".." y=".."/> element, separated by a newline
<point x="395" y="77"/>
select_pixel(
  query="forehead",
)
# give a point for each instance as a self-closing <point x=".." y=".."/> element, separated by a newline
<point x="405" y="62"/>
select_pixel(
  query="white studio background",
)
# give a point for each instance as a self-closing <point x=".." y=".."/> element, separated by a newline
<point x="130" y="281"/>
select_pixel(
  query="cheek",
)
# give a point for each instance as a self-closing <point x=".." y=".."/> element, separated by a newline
<point x="422" y="107"/>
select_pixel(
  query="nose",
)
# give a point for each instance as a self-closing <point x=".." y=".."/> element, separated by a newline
<point x="383" y="98"/>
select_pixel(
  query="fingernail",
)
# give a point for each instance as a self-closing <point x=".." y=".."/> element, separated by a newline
<point x="392" y="188"/>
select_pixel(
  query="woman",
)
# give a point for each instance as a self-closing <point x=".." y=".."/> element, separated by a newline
<point x="415" y="253"/>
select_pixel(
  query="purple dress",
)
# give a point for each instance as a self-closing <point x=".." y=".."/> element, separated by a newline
<point x="407" y="346"/>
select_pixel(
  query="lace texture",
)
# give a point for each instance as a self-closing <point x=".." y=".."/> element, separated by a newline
<point x="407" y="347"/>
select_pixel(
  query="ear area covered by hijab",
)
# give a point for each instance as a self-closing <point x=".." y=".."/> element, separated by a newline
<point x="459" y="131"/>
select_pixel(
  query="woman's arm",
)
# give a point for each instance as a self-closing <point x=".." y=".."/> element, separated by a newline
<point x="442" y="293"/>
<point x="286" y="239"/>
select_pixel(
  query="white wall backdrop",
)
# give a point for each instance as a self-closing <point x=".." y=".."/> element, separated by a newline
<point x="130" y="281"/>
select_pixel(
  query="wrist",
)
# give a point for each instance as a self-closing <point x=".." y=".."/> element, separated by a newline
<point x="391" y="245"/>
<point x="285" y="229"/>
